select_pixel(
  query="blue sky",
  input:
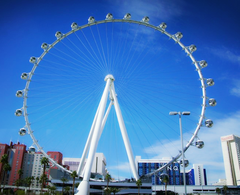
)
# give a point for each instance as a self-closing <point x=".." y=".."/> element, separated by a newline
<point x="210" y="25"/>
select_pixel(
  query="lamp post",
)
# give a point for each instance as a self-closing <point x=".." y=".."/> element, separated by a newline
<point x="183" y="161"/>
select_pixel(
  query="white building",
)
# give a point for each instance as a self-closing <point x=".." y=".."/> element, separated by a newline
<point x="199" y="174"/>
<point x="99" y="164"/>
<point x="231" y="157"/>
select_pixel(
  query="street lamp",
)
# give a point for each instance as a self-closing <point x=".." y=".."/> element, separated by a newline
<point x="183" y="161"/>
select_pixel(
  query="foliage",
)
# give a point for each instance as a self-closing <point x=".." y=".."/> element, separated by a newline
<point x="44" y="161"/>
<point x="64" y="180"/>
<point x="165" y="180"/>
<point x="225" y="188"/>
<point x="139" y="184"/>
<point x="108" y="178"/>
<point x="73" y="175"/>
<point x="114" y="190"/>
<point x="218" y="190"/>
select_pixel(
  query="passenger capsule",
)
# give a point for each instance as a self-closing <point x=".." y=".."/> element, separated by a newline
<point x="91" y="19"/>
<point x="31" y="150"/>
<point x="178" y="35"/>
<point x="109" y="16"/>
<point x="22" y="131"/>
<point x="145" y="19"/>
<point x="127" y="16"/>
<point x="209" y="123"/>
<point x="58" y="34"/>
<point x="74" y="26"/>
<point x="33" y="60"/>
<point x="192" y="48"/>
<point x="203" y="63"/>
<point x="186" y="163"/>
<point x="18" y="112"/>
<point x="19" y="93"/>
<point x="210" y="82"/>
<point x="199" y="144"/>
<point x="24" y="76"/>
<point x="44" y="46"/>
<point x="212" y="102"/>
<point x="163" y="25"/>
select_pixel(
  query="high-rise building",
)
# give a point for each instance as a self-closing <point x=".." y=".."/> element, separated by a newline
<point x="32" y="167"/>
<point x="231" y="157"/>
<point x="196" y="176"/>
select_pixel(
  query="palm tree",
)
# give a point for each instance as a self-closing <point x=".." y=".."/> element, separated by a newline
<point x="74" y="175"/>
<point x="108" y="178"/>
<point x="37" y="179"/>
<point x="67" y="189"/>
<point x="29" y="181"/>
<point x="165" y="180"/>
<point x="225" y="188"/>
<point x="64" y="180"/>
<point x="6" y="169"/>
<point x="218" y="190"/>
<point x="20" y="173"/>
<point x="4" y="160"/>
<point x="42" y="180"/>
<point x="114" y="190"/>
<point x="44" y="161"/>
<point x="139" y="183"/>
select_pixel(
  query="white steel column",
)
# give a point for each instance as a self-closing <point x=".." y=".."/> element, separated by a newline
<point x="124" y="133"/>
<point x="83" y="188"/>
<point x="86" y="148"/>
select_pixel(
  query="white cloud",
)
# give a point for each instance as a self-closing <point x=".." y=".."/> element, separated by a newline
<point x="236" y="89"/>
<point x="153" y="9"/>
<point x="211" y="155"/>
<point x="225" y="53"/>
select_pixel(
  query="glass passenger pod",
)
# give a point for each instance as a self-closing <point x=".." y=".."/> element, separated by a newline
<point x="91" y="19"/>
<point x="18" y="112"/>
<point x="192" y="48"/>
<point x="33" y="59"/>
<point x="186" y="163"/>
<point x="199" y="144"/>
<point x="179" y="35"/>
<point x="58" y="34"/>
<point x="163" y="26"/>
<point x="31" y="150"/>
<point x="22" y="131"/>
<point x="74" y="26"/>
<point x="212" y="102"/>
<point x="203" y="63"/>
<point x="145" y="19"/>
<point x="109" y="16"/>
<point x="24" y="76"/>
<point x="210" y="82"/>
<point x="209" y="123"/>
<point x="19" y="93"/>
<point x="127" y="16"/>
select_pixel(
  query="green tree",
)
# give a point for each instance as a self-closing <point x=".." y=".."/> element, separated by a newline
<point x="114" y="190"/>
<point x="42" y="180"/>
<point x="29" y="181"/>
<point x="64" y="180"/>
<point x="37" y="179"/>
<point x="139" y="184"/>
<point x="108" y="178"/>
<point x="67" y="189"/>
<point x="218" y="190"/>
<point x="3" y="161"/>
<point x="45" y="162"/>
<point x="20" y="173"/>
<point x="6" y="169"/>
<point x="165" y="180"/>
<point x="73" y="175"/>
<point x="225" y="188"/>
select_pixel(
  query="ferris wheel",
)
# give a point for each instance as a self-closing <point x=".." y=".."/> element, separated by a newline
<point x="140" y="69"/>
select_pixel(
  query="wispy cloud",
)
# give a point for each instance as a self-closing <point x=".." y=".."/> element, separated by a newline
<point x="226" y="54"/>
<point x="236" y="89"/>
<point x="151" y="8"/>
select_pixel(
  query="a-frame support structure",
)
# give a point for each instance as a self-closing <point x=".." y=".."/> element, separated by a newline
<point x="95" y="134"/>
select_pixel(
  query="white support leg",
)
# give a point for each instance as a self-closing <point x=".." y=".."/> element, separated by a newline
<point x="83" y="188"/>
<point x="124" y="134"/>
<point x="86" y="148"/>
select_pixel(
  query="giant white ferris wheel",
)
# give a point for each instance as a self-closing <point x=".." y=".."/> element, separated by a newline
<point x="110" y="74"/>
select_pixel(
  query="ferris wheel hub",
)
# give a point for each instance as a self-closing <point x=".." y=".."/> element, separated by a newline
<point x="109" y="76"/>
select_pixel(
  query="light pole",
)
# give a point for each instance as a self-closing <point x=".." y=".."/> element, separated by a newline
<point x="183" y="161"/>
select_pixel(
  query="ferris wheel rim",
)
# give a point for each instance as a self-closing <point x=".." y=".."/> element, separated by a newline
<point x="63" y="36"/>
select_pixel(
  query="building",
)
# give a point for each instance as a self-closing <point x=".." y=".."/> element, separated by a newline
<point x="196" y="176"/>
<point x="32" y="167"/>
<point x="98" y="167"/>
<point x="145" y="166"/>
<point x="15" y="154"/>
<point x="231" y="157"/>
